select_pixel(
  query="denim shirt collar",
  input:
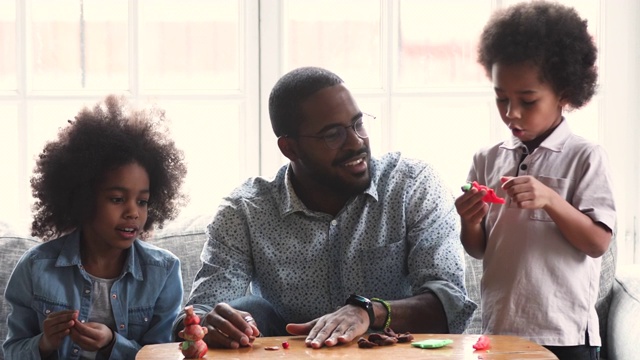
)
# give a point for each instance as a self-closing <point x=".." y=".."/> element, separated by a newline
<point x="70" y="256"/>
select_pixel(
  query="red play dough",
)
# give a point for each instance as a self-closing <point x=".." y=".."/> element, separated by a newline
<point x="490" y="196"/>
<point x="193" y="347"/>
<point x="483" y="343"/>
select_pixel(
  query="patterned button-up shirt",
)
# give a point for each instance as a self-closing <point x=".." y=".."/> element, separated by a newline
<point x="397" y="239"/>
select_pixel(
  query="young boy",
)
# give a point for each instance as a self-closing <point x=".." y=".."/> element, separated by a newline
<point x="541" y="249"/>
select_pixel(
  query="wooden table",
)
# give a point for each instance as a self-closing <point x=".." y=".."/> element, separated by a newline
<point x="502" y="347"/>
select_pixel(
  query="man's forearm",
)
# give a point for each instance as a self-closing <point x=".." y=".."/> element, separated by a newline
<point x="422" y="313"/>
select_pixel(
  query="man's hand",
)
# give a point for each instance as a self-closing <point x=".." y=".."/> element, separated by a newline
<point x="91" y="336"/>
<point x="341" y="326"/>
<point x="56" y="327"/>
<point x="229" y="328"/>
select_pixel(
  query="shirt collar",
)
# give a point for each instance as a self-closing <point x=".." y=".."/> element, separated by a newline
<point x="291" y="202"/>
<point x="70" y="256"/>
<point x="554" y="142"/>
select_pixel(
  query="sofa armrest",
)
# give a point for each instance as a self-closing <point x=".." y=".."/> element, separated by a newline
<point x="12" y="247"/>
<point x="623" y="330"/>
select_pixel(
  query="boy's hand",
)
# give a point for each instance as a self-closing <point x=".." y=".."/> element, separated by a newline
<point x="56" y="327"/>
<point x="91" y="336"/>
<point x="470" y="206"/>
<point x="527" y="192"/>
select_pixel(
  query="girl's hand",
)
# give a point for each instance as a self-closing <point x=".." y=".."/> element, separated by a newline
<point x="91" y="336"/>
<point x="56" y="327"/>
<point x="527" y="192"/>
<point x="470" y="206"/>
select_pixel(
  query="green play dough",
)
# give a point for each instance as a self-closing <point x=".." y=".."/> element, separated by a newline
<point x="432" y="343"/>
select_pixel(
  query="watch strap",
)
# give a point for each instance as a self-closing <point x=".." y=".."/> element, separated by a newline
<point x="365" y="303"/>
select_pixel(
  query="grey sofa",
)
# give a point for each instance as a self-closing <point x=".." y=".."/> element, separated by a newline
<point x="618" y="307"/>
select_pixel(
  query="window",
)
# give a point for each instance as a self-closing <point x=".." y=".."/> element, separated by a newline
<point x="196" y="59"/>
<point x="212" y="64"/>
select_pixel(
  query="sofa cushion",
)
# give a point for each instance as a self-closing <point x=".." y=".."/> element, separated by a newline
<point x="623" y="333"/>
<point x="472" y="276"/>
<point x="605" y="294"/>
<point x="185" y="238"/>
<point x="12" y="247"/>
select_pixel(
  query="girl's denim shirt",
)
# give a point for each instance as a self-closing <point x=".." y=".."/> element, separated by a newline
<point x="145" y="298"/>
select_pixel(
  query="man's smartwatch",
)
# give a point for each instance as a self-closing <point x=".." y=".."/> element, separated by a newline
<point x="364" y="303"/>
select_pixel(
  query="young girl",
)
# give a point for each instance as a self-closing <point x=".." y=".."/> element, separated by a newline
<point x="96" y="290"/>
<point x="541" y="249"/>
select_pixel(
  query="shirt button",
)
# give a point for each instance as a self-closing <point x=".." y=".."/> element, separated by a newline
<point x="523" y="167"/>
<point x="121" y="326"/>
<point x="75" y="351"/>
<point x="87" y="291"/>
<point x="47" y="311"/>
<point x="146" y="319"/>
<point x="334" y="222"/>
<point x="114" y="296"/>
<point x="82" y="321"/>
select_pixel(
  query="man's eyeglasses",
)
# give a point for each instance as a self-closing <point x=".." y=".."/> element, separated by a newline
<point x="336" y="136"/>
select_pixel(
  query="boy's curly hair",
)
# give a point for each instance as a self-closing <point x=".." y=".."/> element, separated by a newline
<point x="97" y="141"/>
<point x="551" y="36"/>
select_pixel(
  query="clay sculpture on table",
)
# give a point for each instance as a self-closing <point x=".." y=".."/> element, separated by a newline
<point x="193" y="347"/>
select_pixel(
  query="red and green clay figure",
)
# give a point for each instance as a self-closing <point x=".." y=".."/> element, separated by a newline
<point x="489" y="197"/>
<point x="193" y="347"/>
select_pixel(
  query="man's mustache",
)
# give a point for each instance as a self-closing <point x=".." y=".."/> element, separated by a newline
<point x="351" y="154"/>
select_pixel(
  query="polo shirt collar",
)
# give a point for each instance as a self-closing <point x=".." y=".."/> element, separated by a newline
<point x="556" y="141"/>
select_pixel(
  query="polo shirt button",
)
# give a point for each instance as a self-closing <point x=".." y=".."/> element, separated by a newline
<point x="334" y="222"/>
<point x="523" y="167"/>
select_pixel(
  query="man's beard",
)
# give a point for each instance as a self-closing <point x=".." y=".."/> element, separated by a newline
<point x="348" y="188"/>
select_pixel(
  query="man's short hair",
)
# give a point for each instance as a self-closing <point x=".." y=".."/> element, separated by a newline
<point x="290" y="91"/>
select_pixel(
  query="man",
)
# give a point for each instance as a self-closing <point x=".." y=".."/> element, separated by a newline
<point x="333" y="230"/>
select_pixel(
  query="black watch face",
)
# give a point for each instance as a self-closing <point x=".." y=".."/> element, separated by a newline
<point x="360" y="299"/>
